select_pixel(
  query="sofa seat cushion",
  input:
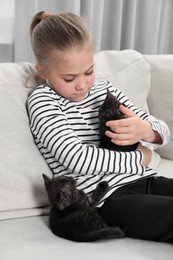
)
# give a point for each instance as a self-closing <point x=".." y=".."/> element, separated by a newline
<point x="31" y="238"/>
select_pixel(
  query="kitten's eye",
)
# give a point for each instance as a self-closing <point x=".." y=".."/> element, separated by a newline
<point x="63" y="196"/>
<point x="64" y="200"/>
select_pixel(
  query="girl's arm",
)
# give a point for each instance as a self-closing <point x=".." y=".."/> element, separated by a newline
<point x="133" y="129"/>
<point x="138" y="126"/>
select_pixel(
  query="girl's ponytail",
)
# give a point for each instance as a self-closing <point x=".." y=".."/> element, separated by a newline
<point x="37" y="19"/>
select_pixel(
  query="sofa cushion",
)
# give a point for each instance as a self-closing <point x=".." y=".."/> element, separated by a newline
<point x="31" y="239"/>
<point x="160" y="95"/>
<point x="128" y="71"/>
<point x="165" y="168"/>
<point x="21" y="164"/>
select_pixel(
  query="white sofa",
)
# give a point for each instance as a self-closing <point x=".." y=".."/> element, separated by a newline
<point x="24" y="231"/>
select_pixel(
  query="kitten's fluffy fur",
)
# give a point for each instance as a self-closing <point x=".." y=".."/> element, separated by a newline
<point x="109" y="110"/>
<point x="72" y="214"/>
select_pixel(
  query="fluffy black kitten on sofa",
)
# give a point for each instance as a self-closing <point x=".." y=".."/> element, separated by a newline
<point x="109" y="110"/>
<point x="73" y="216"/>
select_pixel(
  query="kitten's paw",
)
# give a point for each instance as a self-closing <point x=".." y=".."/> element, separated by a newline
<point x="116" y="232"/>
<point x="104" y="185"/>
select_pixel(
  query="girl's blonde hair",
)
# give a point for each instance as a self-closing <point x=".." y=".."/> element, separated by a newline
<point x="62" y="31"/>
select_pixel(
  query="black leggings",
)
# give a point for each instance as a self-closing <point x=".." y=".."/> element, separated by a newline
<point x="144" y="209"/>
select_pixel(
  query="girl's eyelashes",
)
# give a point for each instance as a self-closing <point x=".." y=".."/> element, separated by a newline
<point x="89" y="72"/>
<point x="68" y="80"/>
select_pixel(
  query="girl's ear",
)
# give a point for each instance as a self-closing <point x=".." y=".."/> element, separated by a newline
<point x="40" y="71"/>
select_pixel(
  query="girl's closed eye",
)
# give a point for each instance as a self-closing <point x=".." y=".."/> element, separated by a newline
<point x="89" y="72"/>
<point x="68" y="79"/>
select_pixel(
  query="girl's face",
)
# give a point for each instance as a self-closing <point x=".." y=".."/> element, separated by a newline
<point x="72" y="75"/>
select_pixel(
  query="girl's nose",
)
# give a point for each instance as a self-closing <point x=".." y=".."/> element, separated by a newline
<point x="80" y="84"/>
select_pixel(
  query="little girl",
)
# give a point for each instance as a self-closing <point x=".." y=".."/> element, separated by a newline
<point x="64" y="122"/>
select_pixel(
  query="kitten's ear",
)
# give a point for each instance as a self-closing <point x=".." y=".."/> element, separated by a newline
<point x="47" y="181"/>
<point x="109" y="94"/>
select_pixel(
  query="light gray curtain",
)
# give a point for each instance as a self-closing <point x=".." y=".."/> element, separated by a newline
<point x="7" y="8"/>
<point x="143" y="25"/>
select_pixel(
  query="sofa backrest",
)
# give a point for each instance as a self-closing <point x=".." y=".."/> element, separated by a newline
<point x="128" y="71"/>
<point x="21" y="164"/>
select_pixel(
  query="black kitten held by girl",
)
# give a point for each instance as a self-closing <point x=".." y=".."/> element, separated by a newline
<point x="65" y="125"/>
<point x="109" y="110"/>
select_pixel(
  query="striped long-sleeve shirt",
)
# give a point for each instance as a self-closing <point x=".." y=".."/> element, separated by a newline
<point x="67" y="135"/>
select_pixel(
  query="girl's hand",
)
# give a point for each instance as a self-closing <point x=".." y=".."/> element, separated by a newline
<point x="131" y="129"/>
